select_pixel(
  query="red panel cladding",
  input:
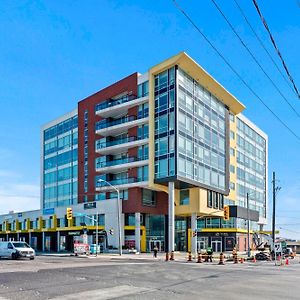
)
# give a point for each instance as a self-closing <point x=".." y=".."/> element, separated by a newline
<point x="134" y="203"/>
<point x="128" y="84"/>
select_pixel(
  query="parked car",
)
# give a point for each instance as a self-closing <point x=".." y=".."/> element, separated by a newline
<point x="288" y="252"/>
<point x="15" y="250"/>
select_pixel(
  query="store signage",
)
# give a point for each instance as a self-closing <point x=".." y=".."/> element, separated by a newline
<point x="89" y="205"/>
<point x="48" y="211"/>
<point x="74" y="233"/>
<point x="20" y="215"/>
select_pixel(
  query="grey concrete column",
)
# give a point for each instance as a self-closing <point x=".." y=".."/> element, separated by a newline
<point x="43" y="241"/>
<point x="171" y="216"/>
<point x="138" y="231"/>
<point x="58" y="241"/>
<point x="122" y="229"/>
<point x="7" y="237"/>
<point x="194" y="229"/>
<point x="18" y="236"/>
<point x="29" y="238"/>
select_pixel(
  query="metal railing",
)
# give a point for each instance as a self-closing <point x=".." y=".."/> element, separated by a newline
<point x="117" y="182"/>
<point x="113" y="102"/>
<point x="101" y="145"/>
<point x="106" y="123"/>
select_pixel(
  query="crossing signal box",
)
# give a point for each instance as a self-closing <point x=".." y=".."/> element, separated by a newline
<point x="69" y="213"/>
<point x="226" y="216"/>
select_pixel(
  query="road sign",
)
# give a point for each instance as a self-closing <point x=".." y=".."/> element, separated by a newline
<point x="277" y="247"/>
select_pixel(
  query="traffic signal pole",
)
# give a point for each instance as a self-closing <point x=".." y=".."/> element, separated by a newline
<point x="248" y="226"/>
<point x="274" y="207"/>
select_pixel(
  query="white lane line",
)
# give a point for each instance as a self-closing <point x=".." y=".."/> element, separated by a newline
<point x="104" y="294"/>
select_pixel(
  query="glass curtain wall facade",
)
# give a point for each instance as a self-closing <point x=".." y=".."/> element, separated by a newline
<point x="165" y="124"/>
<point x="191" y="128"/>
<point x="60" y="160"/>
<point x="202" y="125"/>
<point x="251" y="168"/>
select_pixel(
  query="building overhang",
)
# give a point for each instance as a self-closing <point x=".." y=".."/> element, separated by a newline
<point x="203" y="78"/>
<point x="242" y="213"/>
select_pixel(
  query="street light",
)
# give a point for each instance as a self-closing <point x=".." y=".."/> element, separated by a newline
<point x="119" y="212"/>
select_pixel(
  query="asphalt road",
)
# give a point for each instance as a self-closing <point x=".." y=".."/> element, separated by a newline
<point x="145" y="278"/>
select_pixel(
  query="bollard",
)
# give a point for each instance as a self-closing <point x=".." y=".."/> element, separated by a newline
<point x="167" y="256"/>
<point x="172" y="255"/>
<point x="235" y="258"/>
<point x="242" y="260"/>
<point x="221" y="262"/>
<point x="199" y="260"/>
<point x="254" y="259"/>
<point x="189" y="256"/>
<point x="287" y="262"/>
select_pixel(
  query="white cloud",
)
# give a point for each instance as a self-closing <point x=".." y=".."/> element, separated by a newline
<point x="19" y="197"/>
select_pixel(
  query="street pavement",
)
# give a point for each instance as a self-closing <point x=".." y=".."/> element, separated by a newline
<point x="144" y="277"/>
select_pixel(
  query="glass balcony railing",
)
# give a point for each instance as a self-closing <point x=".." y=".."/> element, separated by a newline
<point x="113" y="102"/>
<point x="101" y="145"/>
<point x="106" y="123"/>
<point x="117" y="182"/>
<point x="110" y="163"/>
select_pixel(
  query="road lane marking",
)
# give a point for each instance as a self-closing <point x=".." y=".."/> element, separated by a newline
<point x="105" y="293"/>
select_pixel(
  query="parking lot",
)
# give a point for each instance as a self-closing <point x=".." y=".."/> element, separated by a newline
<point x="143" y="277"/>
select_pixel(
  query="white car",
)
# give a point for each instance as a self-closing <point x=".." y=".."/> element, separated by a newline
<point x="15" y="250"/>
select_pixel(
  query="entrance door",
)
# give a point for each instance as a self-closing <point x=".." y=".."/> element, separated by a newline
<point x="216" y="246"/>
<point x="153" y="243"/>
<point x="201" y="246"/>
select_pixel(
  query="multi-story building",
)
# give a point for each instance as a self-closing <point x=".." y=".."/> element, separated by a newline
<point x="173" y="143"/>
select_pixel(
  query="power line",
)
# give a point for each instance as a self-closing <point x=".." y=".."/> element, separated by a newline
<point x="264" y="47"/>
<point x="235" y="72"/>
<point x="275" y="46"/>
<point x="254" y="58"/>
<point x="293" y="231"/>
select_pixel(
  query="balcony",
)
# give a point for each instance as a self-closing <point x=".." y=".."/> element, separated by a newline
<point x="121" y="184"/>
<point x="114" y="127"/>
<point x="120" y="145"/>
<point x="120" y="165"/>
<point x="116" y="107"/>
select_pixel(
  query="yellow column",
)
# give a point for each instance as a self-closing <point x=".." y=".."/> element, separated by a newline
<point x="54" y="219"/>
<point x="143" y="239"/>
<point x="40" y="224"/>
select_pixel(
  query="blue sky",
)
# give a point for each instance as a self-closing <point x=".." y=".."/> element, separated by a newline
<point x="55" y="53"/>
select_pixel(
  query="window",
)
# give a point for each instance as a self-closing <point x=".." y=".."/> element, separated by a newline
<point x="232" y="169"/>
<point x="232" y="152"/>
<point x="232" y="186"/>
<point x="184" y="197"/>
<point x="232" y="118"/>
<point x="148" y="198"/>
<point x="232" y="135"/>
<point x="209" y="199"/>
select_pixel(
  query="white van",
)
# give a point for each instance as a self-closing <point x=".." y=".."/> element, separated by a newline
<point x="16" y="250"/>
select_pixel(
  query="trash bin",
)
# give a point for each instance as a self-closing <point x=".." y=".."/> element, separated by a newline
<point x="93" y="248"/>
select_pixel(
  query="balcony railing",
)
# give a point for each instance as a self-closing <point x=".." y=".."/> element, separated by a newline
<point x="110" y="163"/>
<point x="117" y="182"/>
<point x="101" y="144"/>
<point x="105" y="123"/>
<point x="113" y="102"/>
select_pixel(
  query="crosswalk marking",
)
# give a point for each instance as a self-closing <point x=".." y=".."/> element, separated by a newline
<point x="104" y="294"/>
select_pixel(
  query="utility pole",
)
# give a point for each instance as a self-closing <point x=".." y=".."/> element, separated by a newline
<point x="274" y="201"/>
<point x="248" y="226"/>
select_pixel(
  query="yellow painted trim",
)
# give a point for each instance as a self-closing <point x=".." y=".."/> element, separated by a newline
<point x="237" y="230"/>
<point x="143" y="239"/>
<point x="54" y="220"/>
<point x="205" y="79"/>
